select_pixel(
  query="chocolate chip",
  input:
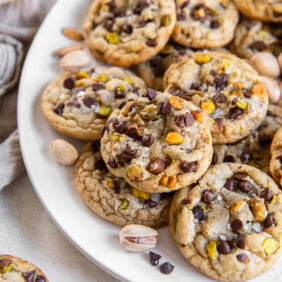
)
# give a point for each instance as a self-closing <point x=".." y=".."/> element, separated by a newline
<point x="58" y="109"/>
<point x="147" y="140"/>
<point x="189" y="119"/>
<point x="121" y="105"/>
<point x="97" y="86"/>
<point x="269" y="221"/>
<point x="230" y="184"/>
<point x="180" y="17"/>
<point x="184" y="4"/>
<point x="100" y="165"/>
<point x="151" y="42"/>
<point x="245" y="157"/>
<point x="239" y="242"/>
<point x="140" y="7"/>
<point x="109" y="24"/>
<point x="180" y="121"/>
<point x="242" y="258"/>
<point x="69" y="83"/>
<point x="214" y="159"/>
<point x="189" y="166"/>
<point x="119" y="93"/>
<point x="151" y="93"/>
<point x="235" y="113"/>
<point x="220" y="79"/>
<point x="133" y="132"/>
<point x="129" y="154"/>
<point x="266" y="194"/>
<point x="219" y="98"/>
<point x="237" y="226"/>
<point x="176" y="91"/>
<point x="198" y="213"/>
<point x="118" y="12"/>
<point x="157" y="67"/>
<point x="29" y="276"/>
<point x="73" y="102"/>
<point x="215" y="24"/>
<point x="219" y="123"/>
<point x="40" y="278"/>
<point x="96" y="146"/>
<point x="157" y="166"/>
<point x="223" y="247"/>
<point x="119" y="126"/>
<point x="135" y="90"/>
<point x="112" y="4"/>
<point x="245" y="186"/>
<point x="270" y="114"/>
<point x="207" y="196"/>
<point x="247" y="93"/>
<point x="258" y="45"/>
<point x="88" y="101"/>
<point x="185" y="202"/>
<point x="264" y="139"/>
<point x="229" y="159"/>
<point x="151" y="203"/>
<point x="277" y="14"/>
<point x="240" y="175"/>
<point x="127" y="28"/>
<point x="154" y="258"/>
<point x="4" y="263"/>
<point x="166" y="268"/>
<point x="164" y="108"/>
<point x="112" y="163"/>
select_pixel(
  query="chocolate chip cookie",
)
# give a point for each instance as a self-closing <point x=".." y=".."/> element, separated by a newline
<point x="229" y="225"/>
<point x="253" y="36"/>
<point x="78" y="105"/>
<point x="229" y="90"/>
<point x="158" y="143"/>
<point x="254" y="150"/>
<point x="112" y="198"/>
<point x="205" y="24"/>
<point x="17" y="269"/>
<point x="264" y="10"/>
<point x="125" y="33"/>
<point x="276" y="157"/>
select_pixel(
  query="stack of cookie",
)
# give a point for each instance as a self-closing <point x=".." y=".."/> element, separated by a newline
<point x="194" y="119"/>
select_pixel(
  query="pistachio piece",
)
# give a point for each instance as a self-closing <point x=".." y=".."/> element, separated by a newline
<point x="104" y="111"/>
<point x="198" y="115"/>
<point x="165" y="20"/>
<point x="258" y="89"/>
<point x="270" y="246"/>
<point x="102" y="77"/>
<point x="5" y="265"/>
<point x="242" y="105"/>
<point x="129" y="80"/>
<point x="258" y="208"/>
<point x="111" y="183"/>
<point x="176" y="102"/>
<point x="112" y="38"/>
<point x="150" y="112"/>
<point x="174" y="138"/>
<point x="138" y="238"/>
<point x="80" y="75"/>
<point x="169" y="182"/>
<point x="124" y="205"/>
<point x="134" y="173"/>
<point x="208" y="106"/>
<point x="140" y="194"/>
<point x="202" y="58"/>
<point x="211" y="249"/>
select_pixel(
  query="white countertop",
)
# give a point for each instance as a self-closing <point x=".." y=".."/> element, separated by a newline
<point x="27" y="231"/>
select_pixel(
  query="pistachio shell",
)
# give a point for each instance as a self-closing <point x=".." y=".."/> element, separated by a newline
<point x="74" y="61"/>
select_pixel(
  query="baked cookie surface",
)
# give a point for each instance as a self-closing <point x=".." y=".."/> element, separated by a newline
<point x="229" y="224"/>
<point x="229" y="90"/>
<point x="112" y="198"/>
<point x="205" y="24"/>
<point x="125" y="33"/>
<point x="13" y="269"/>
<point x="158" y="143"/>
<point x="78" y="105"/>
<point x="264" y="10"/>
<point x="276" y="157"/>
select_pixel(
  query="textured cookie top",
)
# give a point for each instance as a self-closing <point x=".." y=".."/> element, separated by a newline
<point x="205" y="24"/>
<point x="114" y="199"/>
<point x="265" y="10"/>
<point x="229" y="225"/>
<point x="19" y="270"/>
<point x="253" y="36"/>
<point x="276" y="157"/>
<point x="225" y="87"/>
<point x="79" y="104"/>
<point x="158" y="143"/>
<point x="125" y="33"/>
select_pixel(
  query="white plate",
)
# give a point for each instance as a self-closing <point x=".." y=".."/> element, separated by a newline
<point x="53" y="183"/>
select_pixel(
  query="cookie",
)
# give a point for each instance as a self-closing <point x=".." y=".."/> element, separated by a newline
<point x="125" y="33"/>
<point x="253" y="36"/>
<point x="205" y="24"/>
<point x="158" y="143"/>
<point x="17" y="269"/>
<point x="229" y="225"/>
<point x="229" y="90"/>
<point x="264" y="10"/>
<point x="111" y="197"/>
<point x="78" y="105"/>
<point x="276" y="157"/>
<point x="254" y="150"/>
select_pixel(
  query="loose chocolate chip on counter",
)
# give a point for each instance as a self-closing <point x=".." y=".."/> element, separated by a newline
<point x="151" y="203"/>
<point x="164" y="108"/>
<point x="157" y="166"/>
<point x="199" y="213"/>
<point x="96" y="146"/>
<point x="242" y="258"/>
<point x="245" y="157"/>
<point x="69" y="83"/>
<point x="219" y="123"/>
<point x="264" y="139"/>
<point x="58" y="109"/>
<point x="207" y="196"/>
<point x="237" y="226"/>
<point x="119" y="126"/>
<point x="240" y="175"/>
<point x="258" y="45"/>
<point x="4" y="263"/>
<point x="185" y="202"/>
<point x="229" y="159"/>
<point x="235" y="113"/>
<point x="127" y="28"/>
<point x="239" y="242"/>
<point x="180" y="121"/>
<point x="129" y="154"/>
<point x="154" y="258"/>
<point x="219" y="98"/>
<point x="100" y="165"/>
<point x="29" y="276"/>
<point x="176" y="91"/>
<point x="230" y="184"/>
<point x="166" y="268"/>
<point x="151" y="93"/>
<point x="266" y="194"/>
<point x="269" y="221"/>
<point x="189" y="166"/>
<point x="97" y="86"/>
<point x="112" y="163"/>
<point x="189" y="119"/>
<point x="147" y="140"/>
<point x="40" y="278"/>
<point x="88" y="101"/>
<point x="245" y="186"/>
<point x="214" y="159"/>
<point x="215" y="24"/>
<point x="223" y="247"/>
<point x="151" y="42"/>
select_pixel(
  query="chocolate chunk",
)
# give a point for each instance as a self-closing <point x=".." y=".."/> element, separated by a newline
<point x="40" y="278"/>
<point x="239" y="242"/>
<point x="214" y="159"/>
<point x="215" y="24"/>
<point x="235" y="113"/>
<point x="140" y="7"/>
<point x="88" y="101"/>
<point x="151" y="93"/>
<point x="29" y="276"/>
<point x="189" y="119"/>
<point x="180" y="17"/>
<point x="119" y="93"/>
<point x="223" y="247"/>
<point x="119" y="126"/>
<point x="151" y="203"/>
<point x="157" y="67"/>
<point x="230" y="184"/>
<point x="245" y="186"/>
<point x="247" y="93"/>
<point x="109" y="23"/>
<point x="4" y="263"/>
<point x="219" y="123"/>
<point x="118" y="12"/>
<point x="189" y="166"/>
<point x="245" y="157"/>
<point x="219" y="98"/>
<point x="127" y="28"/>
<point x="240" y="175"/>
<point x="195" y="86"/>
<point x="258" y="45"/>
<point x="121" y="105"/>
<point x="96" y="146"/>
<point x="269" y="221"/>
<point x="154" y="258"/>
<point x="264" y="139"/>
<point x="164" y="108"/>
<point x="58" y="109"/>
<point x="100" y="165"/>
<point x="184" y="4"/>
<point x="129" y="154"/>
<point x="133" y="132"/>
<point x="220" y="79"/>
<point x="207" y="196"/>
<point x="242" y="258"/>
<point x="157" y="166"/>
<point x="166" y="268"/>
<point x="198" y="213"/>
<point x="69" y="83"/>
<point x="229" y="159"/>
<point x="97" y="86"/>
<point x="277" y="14"/>
<point x="237" y="226"/>
<point x="111" y="4"/>
<point x="176" y="91"/>
<point x="266" y="194"/>
<point x="73" y="102"/>
<point x="185" y="202"/>
<point x="270" y="114"/>
<point x="141" y="24"/>
<point x="180" y="121"/>
<point x="112" y="163"/>
<point x="151" y="42"/>
<point x="147" y="140"/>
